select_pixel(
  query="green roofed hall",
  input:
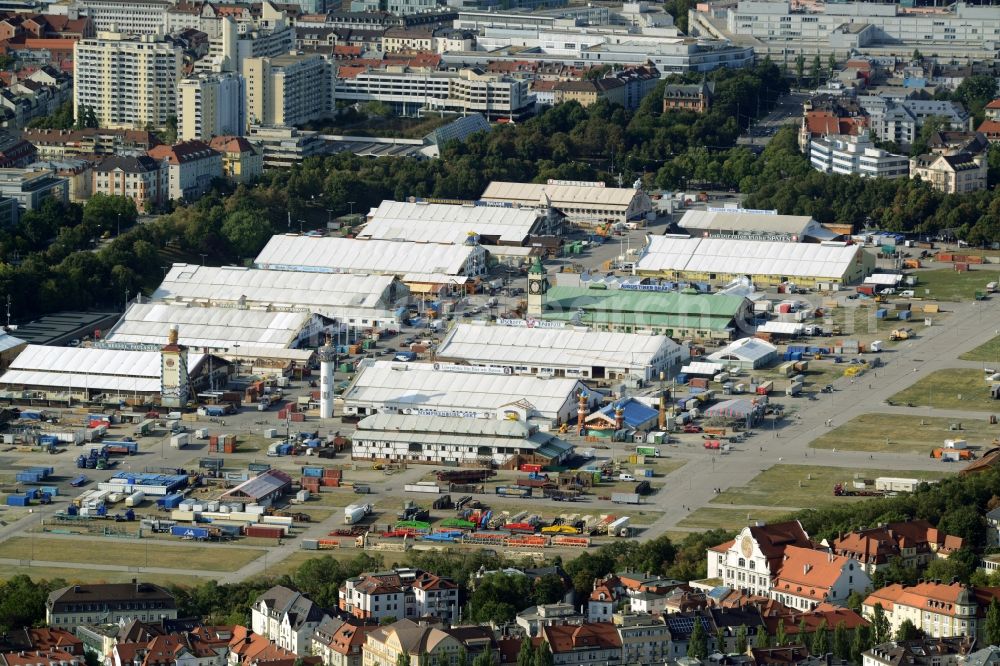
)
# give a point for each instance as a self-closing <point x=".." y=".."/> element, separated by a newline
<point x="678" y="315"/>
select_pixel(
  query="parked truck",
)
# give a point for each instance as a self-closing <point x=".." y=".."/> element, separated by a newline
<point x="619" y="527"/>
<point x="180" y="441"/>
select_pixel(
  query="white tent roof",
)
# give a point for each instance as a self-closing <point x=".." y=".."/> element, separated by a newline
<point x="333" y="255"/>
<point x="218" y="328"/>
<point x="702" y="368"/>
<point x="736" y="219"/>
<point x="419" y="385"/>
<point x="111" y="370"/>
<point x="781" y="328"/>
<point x="564" y="346"/>
<point x="293" y="289"/>
<point x="444" y="223"/>
<point x="884" y="279"/>
<point x="745" y="257"/>
<point x="745" y="349"/>
<point x="560" y="195"/>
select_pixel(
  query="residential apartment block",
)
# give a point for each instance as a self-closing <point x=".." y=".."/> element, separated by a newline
<point x="287" y="90"/>
<point x="952" y="174"/>
<point x="242" y="162"/>
<point x="856" y="155"/>
<point x="340" y="643"/>
<point x="210" y="104"/>
<point x="191" y="167"/>
<point x="406" y="640"/>
<point x="400" y="593"/>
<point x="938" y="609"/>
<point x="266" y="36"/>
<point x="286" y="617"/>
<point x="128" y="82"/>
<point x="590" y="644"/>
<point x="900" y="120"/>
<point x="912" y="543"/>
<point x="62" y="144"/>
<point x="108" y="602"/>
<point x="141" y="178"/>
<point x="694" y="97"/>
<point x="919" y="652"/>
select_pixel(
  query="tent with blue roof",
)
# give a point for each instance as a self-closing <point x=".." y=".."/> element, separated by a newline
<point x="637" y="415"/>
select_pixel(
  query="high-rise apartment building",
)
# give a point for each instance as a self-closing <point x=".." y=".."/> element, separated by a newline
<point x="210" y="104"/>
<point x="287" y="90"/>
<point x="128" y="82"/>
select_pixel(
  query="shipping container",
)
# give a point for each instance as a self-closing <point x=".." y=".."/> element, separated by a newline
<point x="422" y="488"/>
<point x="185" y="532"/>
<point x="625" y="498"/>
<point x="265" y="531"/>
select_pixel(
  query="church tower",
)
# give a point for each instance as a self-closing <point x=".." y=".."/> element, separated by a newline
<point x="538" y="285"/>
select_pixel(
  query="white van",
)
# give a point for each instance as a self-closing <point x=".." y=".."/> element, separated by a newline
<point x="626" y="477"/>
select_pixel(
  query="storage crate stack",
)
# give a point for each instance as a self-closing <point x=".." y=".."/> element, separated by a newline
<point x="222" y="443"/>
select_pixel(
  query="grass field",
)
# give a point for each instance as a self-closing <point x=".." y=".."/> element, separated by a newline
<point x="906" y="434"/>
<point x="805" y="486"/>
<point x="953" y="388"/>
<point x="74" y="575"/>
<point x="707" y="518"/>
<point x="948" y="285"/>
<point x="296" y="559"/>
<point x="128" y="553"/>
<point x="989" y="352"/>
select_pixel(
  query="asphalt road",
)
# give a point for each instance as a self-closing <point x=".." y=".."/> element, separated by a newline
<point x="935" y="348"/>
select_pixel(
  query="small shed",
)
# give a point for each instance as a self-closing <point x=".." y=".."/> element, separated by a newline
<point x="262" y="489"/>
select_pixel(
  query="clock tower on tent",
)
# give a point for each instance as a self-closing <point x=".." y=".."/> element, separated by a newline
<point x="538" y="285"/>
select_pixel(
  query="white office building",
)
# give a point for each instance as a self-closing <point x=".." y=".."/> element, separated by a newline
<point x="781" y="28"/>
<point x="856" y="155"/>
<point x="465" y="91"/>
<point x="131" y="17"/>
